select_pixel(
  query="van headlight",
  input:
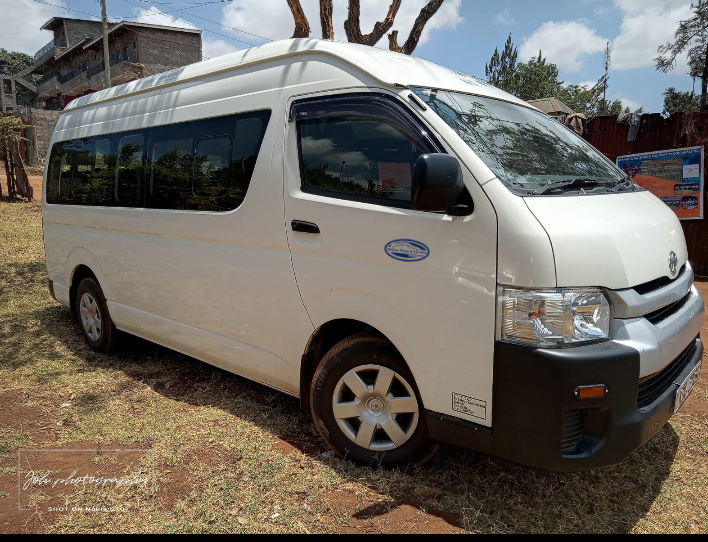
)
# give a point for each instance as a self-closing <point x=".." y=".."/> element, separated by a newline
<point x="553" y="317"/>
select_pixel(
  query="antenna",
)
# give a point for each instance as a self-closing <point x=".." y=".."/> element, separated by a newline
<point x="607" y="69"/>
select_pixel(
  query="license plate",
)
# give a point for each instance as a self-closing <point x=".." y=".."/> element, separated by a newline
<point x="687" y="385"/>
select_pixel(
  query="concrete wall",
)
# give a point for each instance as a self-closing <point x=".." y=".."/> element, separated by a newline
<point x="161" y="50"/>
<point x="44" y="122"/>
<point x="7" y="94"/>
<point x="78" y="30"/>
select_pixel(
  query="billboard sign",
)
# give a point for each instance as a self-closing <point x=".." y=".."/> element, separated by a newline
<point x="675" y="176"/>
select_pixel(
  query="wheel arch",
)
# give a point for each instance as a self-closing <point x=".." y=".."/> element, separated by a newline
<point x="322" y="340"/>
<point x="79" y="273"/>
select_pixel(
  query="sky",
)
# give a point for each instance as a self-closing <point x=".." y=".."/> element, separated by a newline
<point x="462" y="35"/>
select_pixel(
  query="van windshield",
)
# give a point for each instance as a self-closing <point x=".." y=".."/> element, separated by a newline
<point x="529" y="152"/>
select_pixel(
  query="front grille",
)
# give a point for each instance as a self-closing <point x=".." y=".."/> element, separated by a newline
<point x="664" y="312"/>
<point x="657" y="283"/>
<point x="653" y="386"/>
<point x="573" y="430"/>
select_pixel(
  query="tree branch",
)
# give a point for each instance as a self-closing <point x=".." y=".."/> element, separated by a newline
<point x="352" y="26"/>
<point x="302" y="26"/>
<point x="326" y="19"/>
<point x="412" y="42"/>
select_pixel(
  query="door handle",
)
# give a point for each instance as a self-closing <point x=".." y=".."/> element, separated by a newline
<point x="305" y="227"/>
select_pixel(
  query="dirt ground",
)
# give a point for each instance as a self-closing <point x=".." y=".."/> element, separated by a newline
<point x="35" y="181"/>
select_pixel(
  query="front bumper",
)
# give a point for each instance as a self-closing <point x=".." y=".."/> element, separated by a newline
<point x="535" y="406"/>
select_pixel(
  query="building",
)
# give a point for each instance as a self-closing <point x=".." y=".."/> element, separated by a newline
<point x="553" y="107"/>
<point x="7" y="93"/>
<point x="72" y="63"/>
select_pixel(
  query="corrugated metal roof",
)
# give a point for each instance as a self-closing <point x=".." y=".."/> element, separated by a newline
<point x="551" y="105"/>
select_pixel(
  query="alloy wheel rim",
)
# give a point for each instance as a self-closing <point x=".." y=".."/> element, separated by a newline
<point x="90" y="316"/>
<point x="375" y="407"/>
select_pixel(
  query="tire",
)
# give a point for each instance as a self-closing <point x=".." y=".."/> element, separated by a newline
<point x="92" y="314"/>
<point x="366" y="405"/>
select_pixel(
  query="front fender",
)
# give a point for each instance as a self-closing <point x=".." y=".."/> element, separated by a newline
<point x="358" y="305"/>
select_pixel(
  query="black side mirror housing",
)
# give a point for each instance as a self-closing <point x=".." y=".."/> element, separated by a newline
<point x="437" y="185"/>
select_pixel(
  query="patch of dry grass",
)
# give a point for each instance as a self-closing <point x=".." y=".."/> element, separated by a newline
<point x="213" y="434"/>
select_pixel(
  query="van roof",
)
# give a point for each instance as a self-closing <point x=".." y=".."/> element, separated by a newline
<point x="390" y="68"/>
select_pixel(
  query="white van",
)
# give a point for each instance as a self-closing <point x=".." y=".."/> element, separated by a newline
<point x="419" y="257"/>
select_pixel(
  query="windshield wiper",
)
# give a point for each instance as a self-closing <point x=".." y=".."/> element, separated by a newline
<point x="626" y="182"/>
<point x="566" y="184"/>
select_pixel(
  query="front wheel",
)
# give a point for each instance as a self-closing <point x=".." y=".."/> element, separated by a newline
<point x="366" y="406"/>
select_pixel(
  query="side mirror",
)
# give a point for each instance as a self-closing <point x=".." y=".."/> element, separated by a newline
<point x="437" y="185"/>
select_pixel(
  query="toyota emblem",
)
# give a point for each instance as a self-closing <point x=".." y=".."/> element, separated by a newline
<point x="673" y="263"/>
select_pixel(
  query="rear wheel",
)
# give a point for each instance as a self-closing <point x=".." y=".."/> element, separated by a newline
<point x="366" y="406"/>
<point x="92" y="313"/>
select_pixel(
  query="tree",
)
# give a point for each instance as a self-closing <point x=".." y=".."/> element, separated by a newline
<point x="352" y="26"/>
<point x="691" y="35"/>
<point x="675" y="101"/>
<point x="582" y="99"/>
<point x="12" y="62"/>
<point x="538" y="79"/>
<point x="502" y="70"/>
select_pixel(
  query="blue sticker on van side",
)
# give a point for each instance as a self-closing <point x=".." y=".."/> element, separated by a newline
<point x="407" y="250"/>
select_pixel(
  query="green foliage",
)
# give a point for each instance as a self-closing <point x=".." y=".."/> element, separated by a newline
<point x="675" y="101"/>
<point x="690" y="36"/>
<point x="582" y="99"/>
<point x="10" y="126"/>
<point x="502" y="70"/>
<point x="538" y="79"/>
<point x="12" y="62"/>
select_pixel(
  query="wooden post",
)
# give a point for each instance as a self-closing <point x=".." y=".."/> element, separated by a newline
<point x="24" y="189"/>
<point x="8" y="173"/>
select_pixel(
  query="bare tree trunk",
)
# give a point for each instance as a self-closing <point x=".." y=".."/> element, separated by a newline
<point x="22" y="184"/>
<point x="326" y="19"/>
<point x="352" y="26"/>
<point x="302" y="26"/>
<point x="412" y="42"/>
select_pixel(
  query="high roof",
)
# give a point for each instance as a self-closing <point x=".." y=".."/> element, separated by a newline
<point x="389" y="68"/>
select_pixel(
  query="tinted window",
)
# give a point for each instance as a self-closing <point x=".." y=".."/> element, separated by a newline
<point x="360" y="156"/>
<point x="205" y="165"/>
<point x="171" y="168"/>
<point x="211" y="167"/>
<point x="201" y="165"/>
<point x="129" y="171"/>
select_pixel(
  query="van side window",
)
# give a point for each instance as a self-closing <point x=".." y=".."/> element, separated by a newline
<point x="129" y="171"/>
<point x="250" y="129"/>
<point x="171" y="168"/>
<point x="57" y="159"/>
<point x="79" y="156"/>
<point x="361" y="156"/>
<point x="204" y="165"/>
<point x="200" y="165"/>
<point x="104" y="164"/>
<point x="211" y="167"/>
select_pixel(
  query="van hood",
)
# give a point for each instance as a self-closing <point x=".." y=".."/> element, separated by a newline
<point x="616" y="241"/>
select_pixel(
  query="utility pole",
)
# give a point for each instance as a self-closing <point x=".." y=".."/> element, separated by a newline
<point x="106" y="55"/>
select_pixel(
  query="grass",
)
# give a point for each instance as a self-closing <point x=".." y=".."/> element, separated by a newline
<point x="226" y="454"/>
